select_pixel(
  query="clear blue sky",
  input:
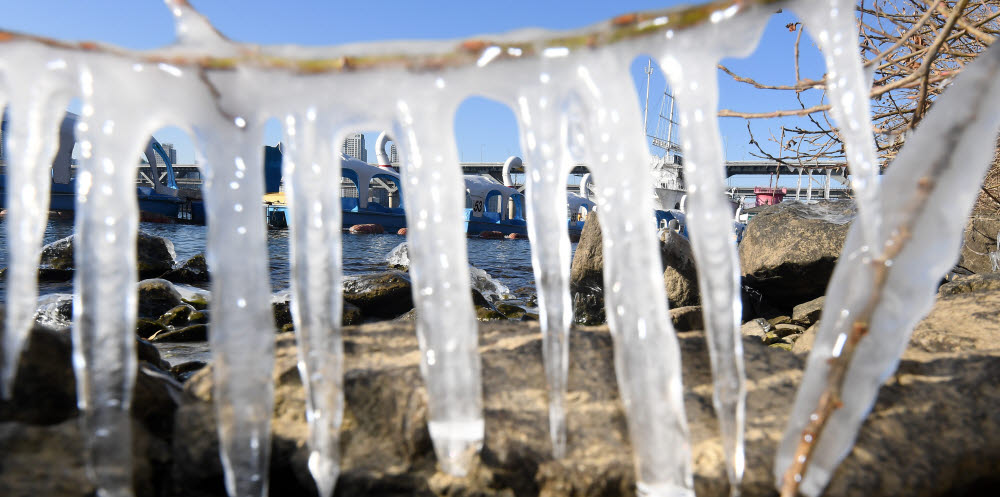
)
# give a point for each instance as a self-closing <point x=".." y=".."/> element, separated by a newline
<point x="485" y="129"/>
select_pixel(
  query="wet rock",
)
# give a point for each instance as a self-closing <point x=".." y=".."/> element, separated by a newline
<point x="282" y="311"/>
<point x="386" y="445"/>
<point x="193" y="270"/>
<point x="58" y="255"/>
<point x="182" y="315"/>
<point x="186" y="370"/>
<point x="367" y="229"/>
<point x="491" y="235"/>
<point x="45" y="388"/>
<point x="156" y="297"/>
<point x="511" y="311"/>
<point x="193" y="333"/>
<point x="399" y="257"/>
<point x="145" y="328"/>
<point x="789" y="249"/>
<point x="383" y="295"/>
<point x="154" y="256"/>
<point x="588" y="306"/>
<point x="146" y="351"/>
<point x="687" y="318"/>
<point x="980" y="239"/>
<point x="199" y="301"/>
<point x="808" y="313"/>
<point x="489" y="314"/>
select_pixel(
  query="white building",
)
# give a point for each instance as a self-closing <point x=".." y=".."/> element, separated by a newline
<point x="354" y="146"/>
<point x="393" y="156"/>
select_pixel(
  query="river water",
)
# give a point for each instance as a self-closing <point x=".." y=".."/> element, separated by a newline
<point x="507" y="261"/>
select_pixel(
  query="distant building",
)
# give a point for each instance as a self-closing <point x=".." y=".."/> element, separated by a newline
<point x="1" y="144"/>
<point x="354" y="146"/>
<point x="171" y="152"/>
<point x="393" y="156"/>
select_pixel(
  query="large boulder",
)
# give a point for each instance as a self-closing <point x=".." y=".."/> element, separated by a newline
<point x="979" y="241"/>
<point x="154" y="256"/>
<point x="386" y="449"/>
<point x="789" y="249"/>
<point x="384" y="295"/>
<point x="680" y="277"/>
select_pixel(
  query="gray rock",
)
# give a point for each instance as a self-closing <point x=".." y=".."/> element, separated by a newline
<point x="808" y="313"/>
<point x="679" y="274"/>
<point x="789" y="249"/>
<point x="154" y="256"/>
<point x="156" y="297"/>
<point x="193" y="333"/>
<point x="804" y="344"/>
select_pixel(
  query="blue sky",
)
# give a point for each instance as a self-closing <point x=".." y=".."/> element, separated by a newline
<point x="486" y="129"/>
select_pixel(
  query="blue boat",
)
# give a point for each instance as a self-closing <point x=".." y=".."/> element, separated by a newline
<point x="369" y="194"/>
<point x="158" y="203"/>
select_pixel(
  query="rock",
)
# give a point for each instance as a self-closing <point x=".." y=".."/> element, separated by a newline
<point x="384" y="295"/>
<point x="776" y="320"/>
<point x="367" y="229"/>
<point x="145" y="328"/>
<point x="399" y="257"/>
<point x="155" y="255"/>
<point x="804" y="344"/>
<point x="186" y="370"/>
<point x="491" y="235"/>
<point x="781" y="345"/>
<point x="351" y="315"/>
<point x="786" y="329"/>
<point x="489" y="314"/>
<point x="511" y="311"/>
<point x="182" y="315"/>
<point x="282" y="311"/>
<point x="386" y="448"/>
<point x="58" y="255"/>
<point x="198" y="301"/>
<point x="789" y="249"/>
<point x="39" y="430"/>
<point x="980" y="239"/>
<point x="687" y="318"/>
<point x="757" y="328"/>
<point x="146" y="351"/>
<point x="193" y="333"/>
<point x="193" y="270"/>
<point x="808" y="313"/>
<point x="587" y="279"/>
<point x="156" y="297"/>
<point x="287" y="328"/>
<point x="679" y="274"/>
<point x="964" y="317"/>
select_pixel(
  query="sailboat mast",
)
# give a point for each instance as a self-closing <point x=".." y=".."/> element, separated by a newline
<point x="645" y="108"/>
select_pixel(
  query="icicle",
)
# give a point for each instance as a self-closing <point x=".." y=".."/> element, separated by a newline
<point x="446" y="324"/>
<point x="647" y="357"/>
<point x="110" y="135"/>
<point x="33" y="137"/>
<point x="242" y="334"/>
<point x="310" y="168"/>
<point x="809" y="188"/>
<point x="694" y="79"/>
<point x="835" y="29"/>
<point x="926" y="197"/>
<point x="547" y="164"/>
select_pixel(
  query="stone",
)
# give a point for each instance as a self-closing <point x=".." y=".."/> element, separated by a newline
<point x="181" y="316"/>
<point x="193" y="333"/>
<point x="155" y="297"/>
<point x="979" y="240"/>
<point x="146" y="328"/>
<point x="511" y="311"/>
<point x="789" y="249"/>
<point x="154" y="256"/>
<point x="489" y="314"/>
<point x="198" y="301"/>
<point x="386" y="448"/>
<point x="193" y="270"/>
<point x="367" y="229"/>
<point x="804" y="344"/>
<point x="282" y="311"/>
<point x="679" y="274"/>
<point x="808" y="313"/>
<point x="184" y="371"/>
<point x="776" y="320"/>
<point x="351" y="315"/>
<point x="383" y="295"/>
<point x="687" y="318"/>
<point x="756" y="328"/>
<point x="964" y="317"/>
<point x="786" y="329"/>
<point x="971" y="284"/>
<point x="781" y="345"/>
<point x="587" y="273"/>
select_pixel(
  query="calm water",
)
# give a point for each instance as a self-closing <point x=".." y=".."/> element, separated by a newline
<point x="508" y="261"/>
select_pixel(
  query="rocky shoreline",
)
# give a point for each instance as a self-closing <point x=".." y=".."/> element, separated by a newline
<point x="934" y="431"/>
